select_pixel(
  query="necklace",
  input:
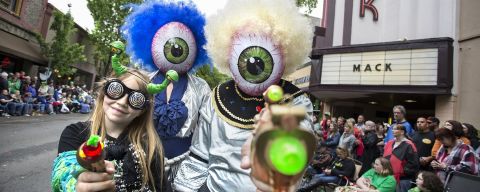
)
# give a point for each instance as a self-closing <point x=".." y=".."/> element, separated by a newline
<point x="247" y="98"/>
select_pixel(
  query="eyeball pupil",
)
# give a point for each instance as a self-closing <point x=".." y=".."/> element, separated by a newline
<point x="177" y="50"/>
<point x="255" y="65"/>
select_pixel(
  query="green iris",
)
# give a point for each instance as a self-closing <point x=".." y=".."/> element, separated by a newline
<point x="255" y="64"/>
<point x="176" y="50"/>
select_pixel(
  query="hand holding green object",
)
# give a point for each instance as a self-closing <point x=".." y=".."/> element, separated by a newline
<point x="280" y="149"/>
<point x="157" y="88"/>
<point x="288" y="155"/>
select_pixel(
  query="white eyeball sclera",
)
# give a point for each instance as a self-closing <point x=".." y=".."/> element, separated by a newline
<point x="174" y="48"/>
<point x="256" y="62"/>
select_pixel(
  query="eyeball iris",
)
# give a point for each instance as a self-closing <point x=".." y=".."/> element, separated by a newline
<point x="255" y="64"/>
<point x="176" y="50"/>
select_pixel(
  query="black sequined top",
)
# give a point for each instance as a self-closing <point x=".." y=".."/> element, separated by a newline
<point x="128" y="174"/>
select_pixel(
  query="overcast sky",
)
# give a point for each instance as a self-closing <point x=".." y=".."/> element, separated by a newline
<point x="82" y="16"/>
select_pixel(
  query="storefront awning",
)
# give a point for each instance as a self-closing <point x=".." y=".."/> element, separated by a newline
<point x="21" y="48"/>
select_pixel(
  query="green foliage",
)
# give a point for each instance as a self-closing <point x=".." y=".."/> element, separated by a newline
<point x="212" y="77"/>
<point x="309" y="4"/>
<point x="61" y="53"/>
<point x="108" y="16"/>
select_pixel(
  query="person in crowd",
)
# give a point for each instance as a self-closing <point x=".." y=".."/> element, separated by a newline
<point x="130" y="139"/>
<point x="457" y="129"/>
<point x="433" y="123"/>
<point x="399" y="113"/>
<point x="403" y="156"/>
<point x="9" y="107"/>
<point x="341" y="124"/>
<point x="32" y="90"/>
<point x="51" y="89"/>
<point x="371" y="151"/>
<point x="3" y="81"/>
<point x="453" y="155"/>
<point x="347" y="140"/>
<point x="322" y="158"/>
<point x="324" y="124"/>
<point x="427" y="182"/>
<point x="360" y="123"/>
<point x="379" y="178"/>
<point x="358" y="147"/>
<point x="32" y="101"/>
<point x="380" y="131"/>
<point x="333" y="137"/>
<point x="14" y="84"/>
<point x="423" y="139"/>
<point x="27" y="109"/>
<point x="472" y="134"/>
<point x="43" y="89"/>
<point x="341" y="167"/>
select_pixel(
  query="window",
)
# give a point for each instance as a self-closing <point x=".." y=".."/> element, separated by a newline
<point x="13" y="6"/>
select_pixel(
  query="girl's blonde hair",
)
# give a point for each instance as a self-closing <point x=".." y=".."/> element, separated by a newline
<point x="141" y="132"/>
<point x="350" y="124"/>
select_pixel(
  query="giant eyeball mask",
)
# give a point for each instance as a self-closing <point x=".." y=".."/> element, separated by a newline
<point x="256" y="62"/>
<point x="174" y="48"/>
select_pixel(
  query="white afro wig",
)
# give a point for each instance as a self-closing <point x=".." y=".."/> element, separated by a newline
<point x="279" y="19"/>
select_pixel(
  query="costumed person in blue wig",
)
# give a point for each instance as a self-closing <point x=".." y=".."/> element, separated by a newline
<point x="162" y="36"/>
<point x="121" y="150"/>
<point x="258" y="42"/>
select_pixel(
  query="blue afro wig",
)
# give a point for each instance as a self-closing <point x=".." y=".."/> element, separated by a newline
<point x="144" y="21"/>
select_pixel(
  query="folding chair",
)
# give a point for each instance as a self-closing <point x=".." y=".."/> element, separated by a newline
<point x="458" y="181"/>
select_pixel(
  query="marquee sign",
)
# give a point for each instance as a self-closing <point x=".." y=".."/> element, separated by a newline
<point x="399" y="67"/>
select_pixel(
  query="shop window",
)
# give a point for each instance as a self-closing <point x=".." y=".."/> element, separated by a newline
<point x="12" y="6"/>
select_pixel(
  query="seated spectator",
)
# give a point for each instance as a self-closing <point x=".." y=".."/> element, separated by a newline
<point x="27" y="109"/>
<point x="427" y="182"/>
<point x="457" y="129"/>
<point x="403" y="156"/>
<point x="20" y="108"/>
<point x="28" y="99"/>
<point x="341" y="167"/>
<point x="7" y="105"/>
<point x="472" y="134"/>
<point x="321" y="160"/>
<point x="333" y="137"/>
<point x="45" y="105"/>
<point x="371" y="150"/>
<point x="453" y="155"/>
<point x="379" y="178"/>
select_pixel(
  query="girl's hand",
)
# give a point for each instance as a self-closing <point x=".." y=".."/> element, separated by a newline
<point x="97" y="181"/>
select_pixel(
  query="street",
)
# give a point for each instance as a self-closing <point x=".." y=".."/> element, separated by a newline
<point x="28" y="146"/>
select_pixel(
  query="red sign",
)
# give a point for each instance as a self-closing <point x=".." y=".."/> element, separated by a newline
<point x="368" y="4"/>
<point x="5" y="62"/>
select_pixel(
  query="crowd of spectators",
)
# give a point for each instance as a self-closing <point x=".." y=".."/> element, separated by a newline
<point x="397" y="157"/>
<point x="22" y="95"/>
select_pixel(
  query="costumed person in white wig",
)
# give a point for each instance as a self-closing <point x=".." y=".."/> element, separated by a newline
<point x="163" y="36"/>
<point x="258" y="42"/>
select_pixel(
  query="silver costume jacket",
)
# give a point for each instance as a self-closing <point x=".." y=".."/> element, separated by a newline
<point x="195" y="97"/>
<point x="216" y="144"/>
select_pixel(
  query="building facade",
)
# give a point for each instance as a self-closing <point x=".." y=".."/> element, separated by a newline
<point x="377" y="54"/>
<point x="20" y="22"/>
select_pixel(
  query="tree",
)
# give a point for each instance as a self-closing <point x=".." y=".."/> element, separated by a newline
<point x="61" y="53"/>
<point x="309" y="4"/>
<point x="212" y="76"/>
<point x="108" y="17"/>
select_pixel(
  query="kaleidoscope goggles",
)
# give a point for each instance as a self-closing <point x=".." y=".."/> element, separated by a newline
<point x="115" y="89"/>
